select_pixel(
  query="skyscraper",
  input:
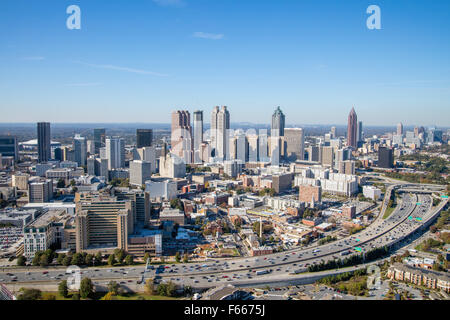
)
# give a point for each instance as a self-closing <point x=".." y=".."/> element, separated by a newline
<point x="115" y="153"/>
<point x="399" y="128"/>
<point x="144" y="138"/>
<point x="352" y="127"/>
<point x="278" y="120"/>
<point x="140" y="171"/>
<point x="198" y="135"/>
<point x="80" y="149"/>
<point x="44" y="147"/>
<point x="181" y="135"/>
<point x="359" y="130"/>
<point x="99" y="139"/>
<point x="333" y="132"/>
<point x="385" y="157"/>
<point x="220" y="124"/>
<point x="295" y="144"/>
<point x="9" y="147"/>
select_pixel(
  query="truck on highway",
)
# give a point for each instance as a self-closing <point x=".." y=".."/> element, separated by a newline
<point x="301" y="270"/>
<point x="261" y="272"/>
<point x="316" y="250"/>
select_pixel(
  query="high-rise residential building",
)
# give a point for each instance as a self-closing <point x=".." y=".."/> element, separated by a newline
<point x="385" y="157"/>
<point x="181" y="135"/>
<point x="140" y="171"/>
<point x="140" y="203"/>
<point x="347" y="167"/>
<point x="8" y="147"/>
<point x="352" y="128"/>
<point x="399" y="129"/>
<point x="40" y="191"/>
<point x="80" y="149"/>
<point x="198" y="136"/>
<point x="103" y="222"/>
<point x="44" y="147"/>
<point x="99" y="139"/>
<point x="327" y="156"/>
<point x="295" y="144"/>
<point x="278" y="122"/>
<point x="144" y="138"/>
<point x="220" y="125"/>
<point x="147" y="154"/>
<point x="171" y="166"/>
<point x="90" y="147"/>
<point x="115" y="153"/>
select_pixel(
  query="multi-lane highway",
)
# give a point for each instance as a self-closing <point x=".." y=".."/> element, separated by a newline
<point x="412" y="211"/>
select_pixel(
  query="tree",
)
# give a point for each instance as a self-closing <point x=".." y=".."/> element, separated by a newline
<point x="129" y="260"/>
<point x="67" y="261"/>
<point x="177" y="257"/>
<point x="63" y="289"/>
<point x="43" y="260"/>
<point x="36" y="259"/>
<point x="185" y="258"/>
<point x="113" y="287"/>
<point x="147" y="257"/>
<point x="76" y="296"/>
<point x="61" y="183"/>
<point x="21" y="260"/>
<point x="119" y="254"/>
<point x="86" y="288"/>
<point x="77" y="259"/>
<point x="60" y="258"/>
<point x="98" y="259"/>
<point x="89" y="259"/>
<point x="150" y="287"/>
<point x="111" y="260"/>
<point x="29" y="294"/>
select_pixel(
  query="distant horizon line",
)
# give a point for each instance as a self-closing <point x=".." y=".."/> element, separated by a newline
<point x="242" y="122"/>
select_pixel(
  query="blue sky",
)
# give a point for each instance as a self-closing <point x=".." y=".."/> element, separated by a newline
<point x="136" y="61"/>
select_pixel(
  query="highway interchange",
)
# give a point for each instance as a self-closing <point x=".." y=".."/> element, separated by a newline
<point x="411" y="212"/>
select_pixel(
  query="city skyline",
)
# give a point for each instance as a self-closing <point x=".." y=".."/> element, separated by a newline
<point x="222" y="53"/>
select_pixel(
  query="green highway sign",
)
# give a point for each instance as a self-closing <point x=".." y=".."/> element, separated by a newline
<point x="445" y="197"/>
<point x="410" y="218"/>
<point x="419" y="219"/>
<point x="358" y="249"/>
<point x="357" y="240"/>
<point x="419" y="203"/>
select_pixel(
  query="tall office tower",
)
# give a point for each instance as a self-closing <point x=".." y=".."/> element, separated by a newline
<point x="97" y="167"/>
<point x="253" y="147"/>
<point x="140" y="203"/>
<point x="8" y="147"/>
<point x="99" y="139"/>
<point x="352" y="128"/>
<point x="295" y="144"/>
<point x="41" y="191"/>
<point x="220" y="125"/>
<point x="416" y="131"/>
<point x="241" y="147"/>
<point x="333" y="132"/>
<point x="44" y="146"/>
<point x="359" y="131"/>
<point x="115" y="153"/>
<point x="144" y="138"/>
<point x="263" y="146"/>
<point x="278" y="120"/>
<point x="399" y="129"/>
<point x="313" y="153"/>
<point x="103" y="222"/>
<point x="181" y="135"/>
<point x="147" y="154"/>
<point x="385" y="157"/>
<point x="198" y="135"/>
<point x="80" y="149"/>
<point x="327" y="156"/>
<point x="90" y="147"/>
<point x="275" y="150"/>
<point x="140" y="171"/>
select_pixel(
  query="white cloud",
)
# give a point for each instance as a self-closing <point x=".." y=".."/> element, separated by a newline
<point x="125" y="69"/>
<point x="211" y="36"/>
